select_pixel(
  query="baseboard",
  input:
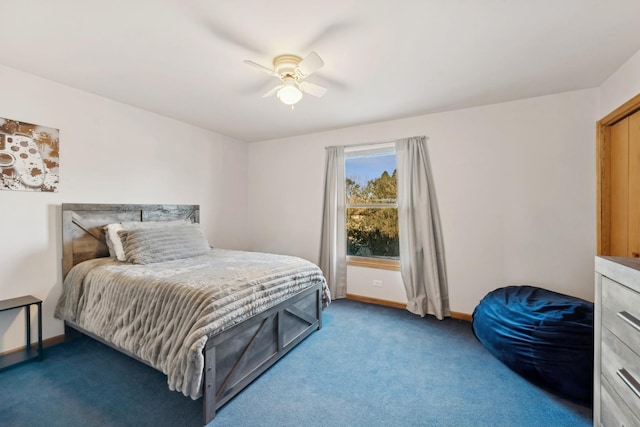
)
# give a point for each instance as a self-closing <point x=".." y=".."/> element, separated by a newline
<point x="45" y="343"/>
<point x="387" y="303"/>
<point x="376" y="301"/>
<point x="461" y="316"/>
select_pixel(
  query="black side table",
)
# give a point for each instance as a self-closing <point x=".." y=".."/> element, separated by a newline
<point x="28" y="353"/>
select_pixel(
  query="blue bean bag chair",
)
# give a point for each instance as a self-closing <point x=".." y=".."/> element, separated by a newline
<point x="542" y="335"/>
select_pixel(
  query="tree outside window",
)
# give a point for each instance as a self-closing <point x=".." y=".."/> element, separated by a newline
<point x="371" y="204"/>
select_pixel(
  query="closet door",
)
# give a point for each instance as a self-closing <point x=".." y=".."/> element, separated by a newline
<point x="619" y="188"/>
<point x="624" y="179"/>
<point x="634" y="185"/>
<point x="618" y="181"/>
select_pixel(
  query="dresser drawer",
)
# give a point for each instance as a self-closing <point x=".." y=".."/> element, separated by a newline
<point x="614" y="413"/>
<point x="621" y="312"/>
<point x="620" y="367"/>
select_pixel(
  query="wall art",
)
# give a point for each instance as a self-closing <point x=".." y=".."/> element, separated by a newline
<point x="29" y="157"/>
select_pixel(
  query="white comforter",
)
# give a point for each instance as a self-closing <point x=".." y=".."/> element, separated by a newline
<point x="165" y="312"/>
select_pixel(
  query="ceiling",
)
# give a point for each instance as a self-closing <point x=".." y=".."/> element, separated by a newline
<point x="383" y="59"/>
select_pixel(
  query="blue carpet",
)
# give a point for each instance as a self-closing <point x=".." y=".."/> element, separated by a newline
<point x="367" y="366"/>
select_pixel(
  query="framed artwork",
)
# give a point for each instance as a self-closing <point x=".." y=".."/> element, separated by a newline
<point x="29" y="157"/>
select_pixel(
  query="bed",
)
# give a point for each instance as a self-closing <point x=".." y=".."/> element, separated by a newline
<point x="210" y="341"/>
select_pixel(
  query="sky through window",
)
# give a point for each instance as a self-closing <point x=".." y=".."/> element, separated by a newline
<point x="362" y="169"/>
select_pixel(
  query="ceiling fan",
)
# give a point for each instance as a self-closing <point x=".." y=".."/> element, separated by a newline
<point x="292" y="70"/>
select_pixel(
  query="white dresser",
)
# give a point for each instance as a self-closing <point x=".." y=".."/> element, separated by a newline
<point x="617" y="342"/>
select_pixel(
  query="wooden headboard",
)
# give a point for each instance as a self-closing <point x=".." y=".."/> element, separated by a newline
<point x="82" y="234"/>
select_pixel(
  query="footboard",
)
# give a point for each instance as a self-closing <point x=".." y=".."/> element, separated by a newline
<point x="239" y="355"/>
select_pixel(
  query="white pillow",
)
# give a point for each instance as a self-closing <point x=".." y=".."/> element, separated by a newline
<point x="114" y="242"/>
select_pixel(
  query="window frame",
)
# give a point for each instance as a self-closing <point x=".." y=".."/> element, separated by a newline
<point x="360" y="151"/>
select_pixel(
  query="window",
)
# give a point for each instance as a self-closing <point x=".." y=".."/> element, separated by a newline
<point x="371" y="206"/>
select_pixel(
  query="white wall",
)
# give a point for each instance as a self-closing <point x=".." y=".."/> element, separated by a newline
<point x="621" y="86"/>
<point x="109" y="153"/>
<point x="360" y="281"/>
<point x="515" y="184"/>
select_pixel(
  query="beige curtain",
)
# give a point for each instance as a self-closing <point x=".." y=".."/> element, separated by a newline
<point x="422" y="262"/>
<point x="333" y="244"/>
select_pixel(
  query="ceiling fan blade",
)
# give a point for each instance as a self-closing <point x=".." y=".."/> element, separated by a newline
<point x="215" y="24"/>
<point x="330" y="32"/>
<point x="312" y="89"/>
<point x="309" y="64"/>
<point x="261" y="68"/>
<point x="272" y="91"/>
<point x="227" y="36"/>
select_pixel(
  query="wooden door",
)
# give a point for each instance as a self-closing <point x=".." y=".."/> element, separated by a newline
<point x="634" y="185"/>
<point x="619" y="185"/>
<point x="618" y="181"/>
<point x="624" y="187"/>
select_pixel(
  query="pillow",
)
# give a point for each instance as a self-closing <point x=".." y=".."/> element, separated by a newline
<point x="114" y="242"/>
<point x="158" y="244"/>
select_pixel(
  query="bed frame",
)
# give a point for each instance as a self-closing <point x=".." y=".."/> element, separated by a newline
<point x="233" y="358"/>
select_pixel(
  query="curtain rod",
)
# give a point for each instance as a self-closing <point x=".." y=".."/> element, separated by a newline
<point x="362" y="144"/>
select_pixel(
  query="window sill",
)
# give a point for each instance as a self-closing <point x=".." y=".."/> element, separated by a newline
<point x="384" y="264"/>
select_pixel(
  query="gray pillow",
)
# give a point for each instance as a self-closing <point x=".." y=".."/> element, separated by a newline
<point x="157" y="244"/>
<point x="114" y="241"/>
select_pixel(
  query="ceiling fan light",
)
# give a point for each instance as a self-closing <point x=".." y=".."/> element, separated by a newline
<point x="289" y="95"/>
